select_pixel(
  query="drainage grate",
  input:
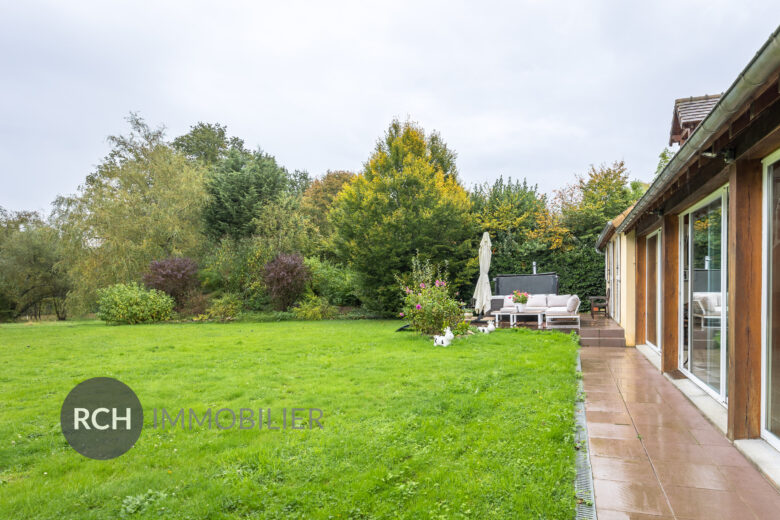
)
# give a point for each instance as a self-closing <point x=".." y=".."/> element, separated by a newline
<point x="583" y="485"/>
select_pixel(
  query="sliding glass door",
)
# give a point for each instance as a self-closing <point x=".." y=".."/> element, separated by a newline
<point x="704" y="293"/>
<point x="653" y="291"/>
<point x="772" y="304"/>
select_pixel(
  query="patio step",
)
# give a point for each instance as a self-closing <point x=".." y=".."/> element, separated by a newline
<point x="602" y="333"/>
<point x="602" y="342"/>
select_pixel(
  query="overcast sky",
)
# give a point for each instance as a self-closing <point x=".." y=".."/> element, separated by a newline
<point x="525" y="89"/>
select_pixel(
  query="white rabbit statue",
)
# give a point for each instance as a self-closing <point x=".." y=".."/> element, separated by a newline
<point x="448" y="334"/>
<point x="491" y="326"/>
<point x="441" y="341"/>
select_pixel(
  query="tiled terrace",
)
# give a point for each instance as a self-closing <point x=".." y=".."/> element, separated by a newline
<point x="655" y="456"/>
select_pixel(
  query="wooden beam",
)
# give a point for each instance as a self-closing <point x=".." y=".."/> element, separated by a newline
<point x="641" y="297"/>
<point x="648" y="223"/>
<point x="669" y="292"/>
<point x="744" y="299"/>
<point x="712" y="175"/>
<point x="766" y="122"/>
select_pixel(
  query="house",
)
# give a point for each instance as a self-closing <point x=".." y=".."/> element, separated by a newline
<point x="693" y="267"/>
<point x="619" y="258"/>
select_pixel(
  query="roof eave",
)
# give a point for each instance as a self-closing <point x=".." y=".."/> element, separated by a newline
<point x="605" y="236"/>
<point x="753" y="76"/>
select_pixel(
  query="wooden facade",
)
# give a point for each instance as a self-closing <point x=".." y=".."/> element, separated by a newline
<point x="714" y="312"/>
<point x="745" y="279"/>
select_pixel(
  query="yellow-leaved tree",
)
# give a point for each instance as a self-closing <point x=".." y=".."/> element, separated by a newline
<point x="408" y="199"/>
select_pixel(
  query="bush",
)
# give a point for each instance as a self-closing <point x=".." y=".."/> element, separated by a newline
<point x="194" y="303"/>
<point x="336" y="283"/>
<point x="132" y="303"/>
<point x="428" y="304"/>
<point x="174" y="276"/>
<point x="226" y="308"/>
<point x="462" y="328"/>
<point x="315" y="308"/>
<point x="285" y="279"/>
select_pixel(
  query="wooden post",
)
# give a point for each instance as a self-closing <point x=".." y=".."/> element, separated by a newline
<point x="670" y="291"/>
<point x="641" y="296"/>
<point x="744" y="299"/>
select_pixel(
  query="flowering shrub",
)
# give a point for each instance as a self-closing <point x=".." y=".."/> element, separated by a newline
<point x="173" y="276"/>
<point x="131" y="303"/>
<point x="427" y="303"/>
<point x="285" y="279"/>
<point x="520" y="297"/>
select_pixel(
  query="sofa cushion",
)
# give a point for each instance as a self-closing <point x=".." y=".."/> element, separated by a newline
<point x="573" y="303"/>
<point x="509" y="301"/>
<point x="557" y="311"/>
<point x="537" y="300"/>
<point x="557" y="300"/>
<point x="707" y="301"/>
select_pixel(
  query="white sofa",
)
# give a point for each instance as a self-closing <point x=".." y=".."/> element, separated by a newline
<point x="707" y="308"/>
<point x="556" y="308"/>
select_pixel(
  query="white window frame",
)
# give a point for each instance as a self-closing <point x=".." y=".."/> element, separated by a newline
<point x="766" y="243"/>
<point x="658" y="292"/>
<point x="617" y="288"/>
<point x="722" y="395"/>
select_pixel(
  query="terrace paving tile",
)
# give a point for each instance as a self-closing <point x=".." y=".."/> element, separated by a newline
<point x="655" y="456"/>
<point x="705" y="476"/>
<point x="631" y="497"/>
<point x="707" y="504"/>
<point x="623" y="470"/>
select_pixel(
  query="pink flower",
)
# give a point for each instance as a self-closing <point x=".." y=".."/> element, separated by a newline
<point x="401" y="314"/>
<point x="422" y="286"/>
<point x="418" y="306"/>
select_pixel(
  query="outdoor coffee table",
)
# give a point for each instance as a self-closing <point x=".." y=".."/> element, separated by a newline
<point x="538" y="313"/>
<point x="514" y="314"/>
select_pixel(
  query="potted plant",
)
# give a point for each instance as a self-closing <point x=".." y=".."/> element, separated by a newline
<point x="520" y="299"/>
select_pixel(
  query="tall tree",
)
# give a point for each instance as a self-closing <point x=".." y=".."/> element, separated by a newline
<point x="663" y="159"/>
<point x="507" y="205"/>
<point x="318" y="199"/>
<point x="238" y="187"/>
<point x="142" y="203"/>
<point x="206" y="142"/>
<point x="403" y="202"/>
<point x="31" y="271"/>
<point x="587" y="205"/>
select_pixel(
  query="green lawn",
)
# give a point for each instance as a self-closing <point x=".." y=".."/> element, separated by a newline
<point x="482" y="429"/>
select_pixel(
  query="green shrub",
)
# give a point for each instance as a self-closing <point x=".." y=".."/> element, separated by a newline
<point x="194" y="303"/>
<point x="428" y="304"/>
<point x="315" y="308"/>
<point x="226" y="308"/>
<point x="132" y="303"/>
<point x="336" y="283"/>
<point x="463" y="327"/>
